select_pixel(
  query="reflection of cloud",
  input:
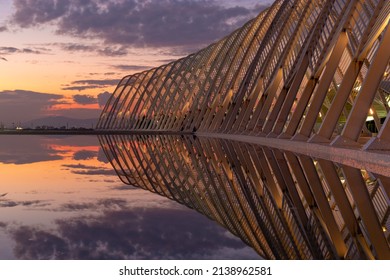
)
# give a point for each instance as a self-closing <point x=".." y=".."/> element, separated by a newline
<point x="15" y="150"/>
<point x="124" y="188"/>
<point x="83" y="169"/>
<point x="39" y="242"/>
<point x="74" y="206"/>
<point x="80" y="166"/>
<point x="32" y="203"/>
<point x="129" y="234"/>
<point x="102" y="156"/>
<point x="105" y="204"/>
<point x="110" y="203"/>
<point x="94" y="172"/>
<point x="84" y="155"/>
<point x="145" y="23"/>
<point x="8" y="203"/>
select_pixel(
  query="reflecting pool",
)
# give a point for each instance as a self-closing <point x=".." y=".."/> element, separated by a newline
<point x="60" y="198"/>
<point x="285" y="205"/>
<point x="184" y="197"/>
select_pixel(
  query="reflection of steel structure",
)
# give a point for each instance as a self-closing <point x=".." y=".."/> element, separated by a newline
<point x="307" y="77"/>
<point x="285" y="206"/>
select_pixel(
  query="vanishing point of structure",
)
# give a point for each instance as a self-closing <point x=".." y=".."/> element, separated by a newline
<point x="308" y="84"/>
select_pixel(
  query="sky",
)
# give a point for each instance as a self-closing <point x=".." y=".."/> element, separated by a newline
<point x="65" y="57"/>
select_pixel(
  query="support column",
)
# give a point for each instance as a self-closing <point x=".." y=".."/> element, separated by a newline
<point x="363" y="102"/>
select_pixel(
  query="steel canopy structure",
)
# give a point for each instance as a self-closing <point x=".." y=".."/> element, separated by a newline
<point x="301" y="69"/>
<point x="307" y="71"/>
<point x="306" y="77"/>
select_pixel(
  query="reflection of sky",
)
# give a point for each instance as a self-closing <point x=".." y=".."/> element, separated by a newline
<point x="59" y="198"/>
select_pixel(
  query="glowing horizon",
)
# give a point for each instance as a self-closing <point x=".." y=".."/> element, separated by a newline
<point x="49" y="49"/>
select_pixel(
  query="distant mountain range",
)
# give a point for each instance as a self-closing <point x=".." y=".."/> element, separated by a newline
<point x="59" y="121"/>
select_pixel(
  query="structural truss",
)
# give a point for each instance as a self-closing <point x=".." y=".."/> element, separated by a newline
<point x="307" y="77"/>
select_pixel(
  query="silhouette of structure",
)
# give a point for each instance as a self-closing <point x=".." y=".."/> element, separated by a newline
<point x="285" y="206"/>
<point x="306" y="77"/>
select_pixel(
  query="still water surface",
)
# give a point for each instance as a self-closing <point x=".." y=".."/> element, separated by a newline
<point x="60" y="198"/>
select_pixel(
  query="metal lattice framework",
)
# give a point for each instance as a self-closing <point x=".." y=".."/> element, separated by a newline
<point x="306" y="77"/>
<point x="301" y="69"/>
<point x="284" y="205"/>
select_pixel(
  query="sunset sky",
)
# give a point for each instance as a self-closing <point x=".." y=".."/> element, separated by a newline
<point x="64" y="58"/>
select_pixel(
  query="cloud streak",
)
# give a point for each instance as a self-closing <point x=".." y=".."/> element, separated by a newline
<point x="109" y="51"/>
<point x="124" y="67"/>
<point x="13" y="50"/>
<point x="81" y="85"/>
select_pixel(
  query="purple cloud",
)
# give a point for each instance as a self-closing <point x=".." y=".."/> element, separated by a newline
<point x="103" y="98"/>
<point x="13" y="50"/>
<point x="131" y="67"/>
<point x="33" y="12"/>
<point x="112" y="51"/>
<point x="152" y="23"/>
<point x="32" y="104"/>
<point x="91" y="84"/>
<point x="84" y="99"/>
<point x="73" y="47"/>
